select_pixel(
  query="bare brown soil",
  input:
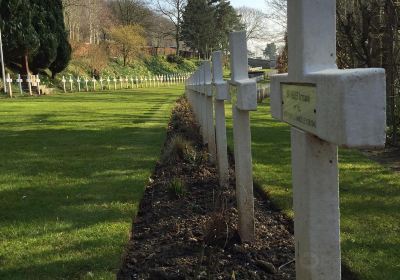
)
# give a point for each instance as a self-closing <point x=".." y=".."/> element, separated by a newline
<point x="191" y="233"/>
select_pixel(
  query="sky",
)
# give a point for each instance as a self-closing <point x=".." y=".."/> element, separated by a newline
<point x="257" y="4"/>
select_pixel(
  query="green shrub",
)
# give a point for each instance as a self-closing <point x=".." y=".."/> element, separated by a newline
<point x="173" y="58"/>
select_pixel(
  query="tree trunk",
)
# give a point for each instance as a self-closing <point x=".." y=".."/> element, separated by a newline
<point x="25" y="65"/>
<point x="177" y="42"/>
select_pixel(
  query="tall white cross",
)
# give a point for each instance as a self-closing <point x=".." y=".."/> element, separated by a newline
<point x="38" y="83"/>
<point x="327" y="108"/>
<point x="79" y="83"/>
<point x="221" y="93"/>
<point x="94" y="83"/>
<point x="29" y="81"/>
<point x="86" y="83"/>
<point x="132" y="82"/>
<point x="126" y="82"/>
<point x="101" y="83"/>
<point x="71" y="82"/>
<point x="244" y="100"/>
<point x="115" y="83"/>
<point x="9" y="82"/>
<point x="108" y="82"/>
<point x="120" y="82"/>
<point x="64" y="81"/>
<point x="19" y="81"/>
<point x="137" y="82"/>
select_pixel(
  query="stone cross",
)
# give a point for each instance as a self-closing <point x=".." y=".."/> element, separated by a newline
<point x="29" y="81"/>
<point x="38" y="83"/>
<point x="86" y="84"/>
<point x="64" y="81"/>
<point x="221" y="93"/>
<point x="326" y="108"/>
<point x="244" y="91"/>
<point x="209" y="110"/>
<point x="108" y="82"/>
<point x="94" y="83"/>
<point x="115" y="83"/>
<point x="9" y="82"/>
<point x="101" y="83"/>
<point x="19" y="81"/>
<point x="79" y="83"/>
<point x="120" y="82"/>
<point x="71" y="82"/>
<point x="132" y="82"/>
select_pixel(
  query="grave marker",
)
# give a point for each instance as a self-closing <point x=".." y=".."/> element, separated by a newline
<point x="38" y="83"/>
<point x="221" y="93"/>
<point x="137" y="82"/>
<point x="108" y="82"/>
<point x="115" y="83"/>
<point x="94" y="83"/>
<point x="71" y="82"/>
<point x="101" y="83"/>
<point x="86" y="84"/>
<point x="126" y="82"/>
<point x="9" y="82"/>
<point x="64" y="81"/>
<point x="79" y="84"/>
<point x="120" y="82"/>
<point x="19" y="81"/>
<point x="29" y="81"/>
<point x="327" y="108"/>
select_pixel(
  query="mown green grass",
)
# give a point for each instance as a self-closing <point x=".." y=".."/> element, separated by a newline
<point x="72" y="171"/>
<point x="369" y="197"/>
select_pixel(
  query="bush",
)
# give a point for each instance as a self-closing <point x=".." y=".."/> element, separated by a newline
<point x="173" y="58"/>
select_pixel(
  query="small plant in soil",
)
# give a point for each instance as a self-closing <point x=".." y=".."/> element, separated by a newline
<point x="179" y="149"/>
<point x="177" y="187"/>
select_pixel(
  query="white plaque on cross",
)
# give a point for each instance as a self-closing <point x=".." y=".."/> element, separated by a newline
<point x="326" y="108"/>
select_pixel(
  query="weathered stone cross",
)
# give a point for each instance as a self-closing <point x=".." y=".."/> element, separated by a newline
<point x="327" y="108"/>
<point x="64" y="81"/>
<point x="71" y="82"/>
<point x="9" y="82"/>
<point x="19" y="81"/>
<point x="244" y="95"/>
<point x="79" y="83"/>
<point x="29" y="81"/>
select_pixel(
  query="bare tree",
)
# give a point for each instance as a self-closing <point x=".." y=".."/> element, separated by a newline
<point x="173" y="10"/>
<point x="255" y="22"/>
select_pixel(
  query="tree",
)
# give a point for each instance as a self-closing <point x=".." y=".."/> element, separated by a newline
<point x="173" y="10"/>
<point x="129" y="40"/>
<point x="254" y="22"/>
<point x="20" y="38"/>
<point x="206" y="25"/>
<point x="270" y="51"/>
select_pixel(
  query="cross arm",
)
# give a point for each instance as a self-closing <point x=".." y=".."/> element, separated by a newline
<point x="350" y="105"/>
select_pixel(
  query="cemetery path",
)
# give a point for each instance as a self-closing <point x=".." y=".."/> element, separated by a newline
<point x="188" y="230"/>
<point x="72" y="172"/>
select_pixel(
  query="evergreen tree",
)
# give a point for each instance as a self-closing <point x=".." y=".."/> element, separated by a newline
<point x="206" y="25"/>
<point x="20" y="39"/>
<point x="270" y="51"/>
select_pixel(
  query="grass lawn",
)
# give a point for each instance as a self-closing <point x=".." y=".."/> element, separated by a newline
<point x="72" y="171"/>
<point x="370" y="197"/>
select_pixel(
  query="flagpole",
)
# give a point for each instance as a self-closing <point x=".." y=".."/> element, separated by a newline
<point x="3" y="72"/>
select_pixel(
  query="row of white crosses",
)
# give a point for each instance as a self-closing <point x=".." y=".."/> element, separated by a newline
<point x="244" y="90"/>
<point x="31" y="80"/>
<point x="326" y="108"/>
<point x="122" y="82"/>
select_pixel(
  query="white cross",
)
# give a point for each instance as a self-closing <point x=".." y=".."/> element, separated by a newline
<point x="64" y="81"/>
<point x="19" y="81"/>
<point x="327" y="108"/>
<point x="94" y="83"/>
<point x="115" y="83"/>
<point x="9" y="81"/>
<point x="120" y="81"/>
<point x="132" y="83"/>
<point x="79" y="83"/>
<point x="38" y="83"/>
<point x="101" y="83"/>
<point x="71" y="81"/>
<point x="221" y="94"/>
<point x="137" y="82"/>
<point x="29" y="81"/>
<point x="108" y="82"/>
<point x="245" y="100"/>
<point x="86" y="84"/>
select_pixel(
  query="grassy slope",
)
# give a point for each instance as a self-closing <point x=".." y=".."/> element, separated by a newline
<point x="72" y="171"/>
<point x="370" y="197"/>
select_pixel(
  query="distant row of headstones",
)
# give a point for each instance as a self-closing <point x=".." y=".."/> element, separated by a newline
<point x="79" y="84"/>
